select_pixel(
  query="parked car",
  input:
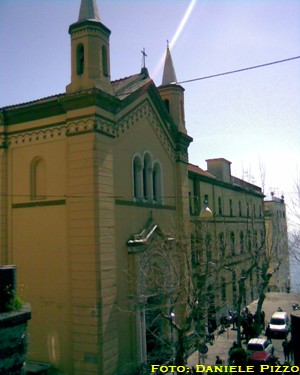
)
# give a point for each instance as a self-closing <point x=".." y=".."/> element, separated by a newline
<point x="279" y="324"/>
<point x="260" y="344"/>
<point x="262" y="358"/>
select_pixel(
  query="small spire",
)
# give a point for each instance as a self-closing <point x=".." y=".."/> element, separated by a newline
<point x="169" y="75"/>
<point x="88" y="11"/>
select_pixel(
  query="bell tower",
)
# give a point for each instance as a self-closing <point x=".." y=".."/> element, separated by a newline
<point x="90" y="57"/>
<point x="172" y="93"/>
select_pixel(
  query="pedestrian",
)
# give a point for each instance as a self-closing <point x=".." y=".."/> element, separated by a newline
<point x="268" y="332"/>
<point x="285" y="350"/>
<point x="290" y="349"/>
<point x="219" y="361"/>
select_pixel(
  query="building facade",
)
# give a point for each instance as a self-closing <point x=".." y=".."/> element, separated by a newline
<point x="94" y="184"/>
<point x="231" y="234"/>
<point x="277" y="244"/>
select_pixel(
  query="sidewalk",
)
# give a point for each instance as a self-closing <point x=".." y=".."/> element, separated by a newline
<point x="220" y="347"/>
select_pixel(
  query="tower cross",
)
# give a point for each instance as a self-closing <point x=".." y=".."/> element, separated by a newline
<point x="144" y="58"/>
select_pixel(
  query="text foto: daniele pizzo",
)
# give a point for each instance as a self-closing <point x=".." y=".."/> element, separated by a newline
<point x="217" y="369"/>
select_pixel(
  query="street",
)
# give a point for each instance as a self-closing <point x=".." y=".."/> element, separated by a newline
<point x="271" y="304"/>
<point x="223" y="342"/>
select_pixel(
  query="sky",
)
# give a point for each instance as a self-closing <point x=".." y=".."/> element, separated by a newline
<point x="251" y="118"/>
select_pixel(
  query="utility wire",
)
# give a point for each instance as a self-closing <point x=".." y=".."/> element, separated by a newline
<point x="239" y="70"/>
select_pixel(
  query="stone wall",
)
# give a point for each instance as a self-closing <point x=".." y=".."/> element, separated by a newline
<point x="13" y="341"/>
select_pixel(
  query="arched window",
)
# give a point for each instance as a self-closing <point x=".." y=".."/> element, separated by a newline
<point x="182" y="110"/>
<point x="208" y="247"/>
<point x="223" y="289"/>
<point x="234" y="286"/>
<point x="193" y="251"/>
<point x="157" y="183"/>
<point x="241" y="242"/>
<point x="220" y="206"/>
<point x="222" y="245"/>
<point x="255" y="240"/>
<point x="240" y="209"/>
<point x="167" y="104"/>
<point x="230" y="207"/>
<point x="38" y="179"/>
<point x="249" y="241"/>
<point x="262" y="238"/>
<point x="147" y="177"/>
<point x="137" y="177"/>
<point x="232" y="243"/>
<point x="80" y="59"/>
<point x="104" y="61"/>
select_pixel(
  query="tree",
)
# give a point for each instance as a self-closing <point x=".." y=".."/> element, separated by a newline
<point x="174" y="292"/>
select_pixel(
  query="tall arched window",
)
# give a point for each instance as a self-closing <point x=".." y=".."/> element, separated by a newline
<point x="232" y="243"/>
<point x="241" y="242"/>
<point x="167" y="104"/>
<point x="193" y="251"/>
<point x="104" y="61"/>
<point x="137" y="177"/>
<point x="234" y="286"/>
<point x="240" y="208"/>
<point x="38" y="179"/>
<point x="220" y="206"/>
<point x="80" y="59"/>
<point x="222" y="245"/>
<point x="147" y="177"/>
<point x="249" y="241"/>
<point x="157" y="183"/>
<point x="208" y="247"/>
<point x="255" y="240"/>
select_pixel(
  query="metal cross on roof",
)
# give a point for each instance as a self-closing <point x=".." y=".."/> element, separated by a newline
<point x="144" y="58"/>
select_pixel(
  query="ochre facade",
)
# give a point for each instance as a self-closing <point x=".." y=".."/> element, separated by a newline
<point x="81" y="172"/>
<point x="93" y="182"/>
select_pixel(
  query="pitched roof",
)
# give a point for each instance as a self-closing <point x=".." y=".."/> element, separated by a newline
<point x="195" y="169"/>
<point x="126" y="86"/>
<point x="122" y="89"/>
<point x="88" y="11"/>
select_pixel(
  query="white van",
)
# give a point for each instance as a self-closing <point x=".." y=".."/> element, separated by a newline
<point x="279" y="324"/>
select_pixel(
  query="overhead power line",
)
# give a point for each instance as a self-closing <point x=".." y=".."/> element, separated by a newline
<point x="239" y="70"/>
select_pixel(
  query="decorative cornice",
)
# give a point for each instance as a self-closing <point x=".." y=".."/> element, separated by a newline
<point x="182" y="157"/>
<point x="81" y="126"/>
<point x="3" y="141"/>
<point x="35" y="135"/>
<point x="90" y="125"/>
<point x="97" y="124"/>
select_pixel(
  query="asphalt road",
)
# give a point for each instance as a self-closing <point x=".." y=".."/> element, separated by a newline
<point x="271" y="304"/>
<point x="224" y="342"/>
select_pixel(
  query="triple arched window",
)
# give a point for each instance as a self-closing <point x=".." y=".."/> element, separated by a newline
<point x="147" y="178"/>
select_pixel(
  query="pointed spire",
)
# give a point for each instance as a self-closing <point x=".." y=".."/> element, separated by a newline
<point x="169" y="75"/>
<point x="88" y="11"/>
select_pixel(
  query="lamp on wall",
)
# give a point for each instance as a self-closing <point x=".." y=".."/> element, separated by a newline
<point x="205" y="210"/>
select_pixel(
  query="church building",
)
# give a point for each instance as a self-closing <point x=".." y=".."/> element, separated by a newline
<point x="96" y="192"/>
<point x="91" y="181"/>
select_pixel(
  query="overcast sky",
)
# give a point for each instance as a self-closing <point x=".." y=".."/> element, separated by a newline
<point x="248" y="118"/>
